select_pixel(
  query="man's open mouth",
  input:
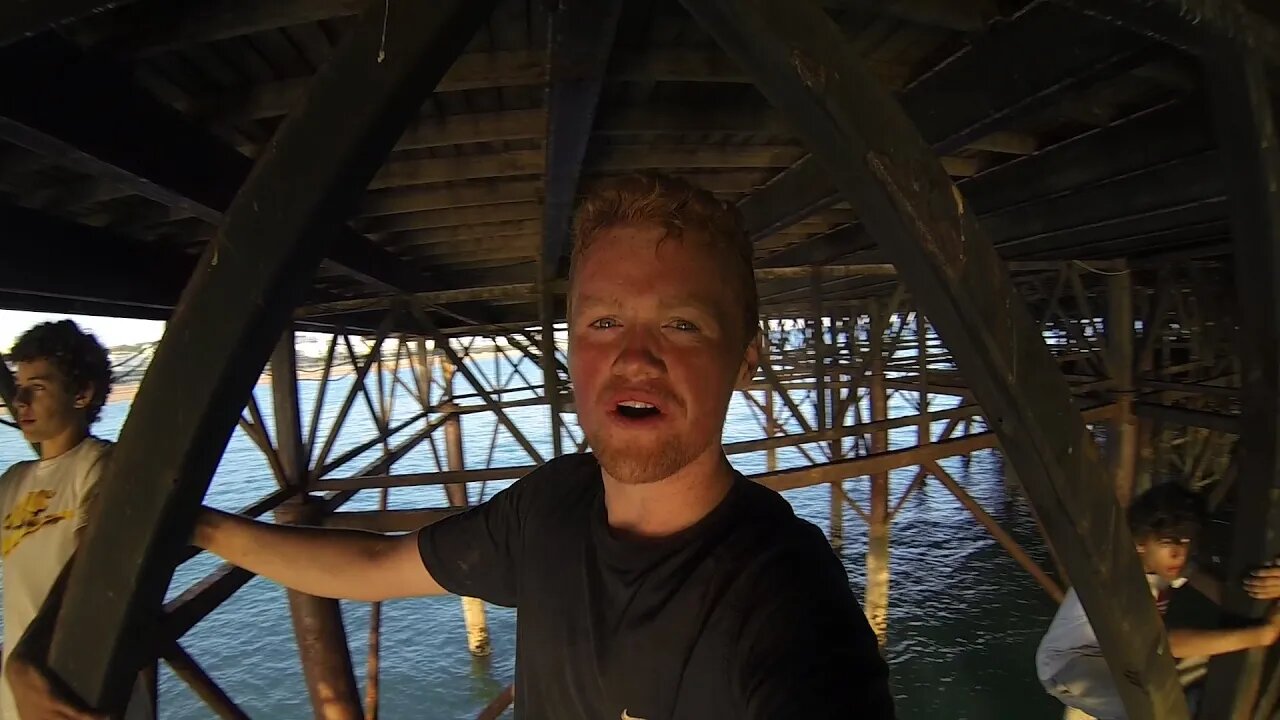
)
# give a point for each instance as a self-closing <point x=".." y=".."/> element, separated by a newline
<point x="636" y="410"/>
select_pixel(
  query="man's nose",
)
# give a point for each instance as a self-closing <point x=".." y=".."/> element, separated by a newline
<point x="640" y="355"/>
<point x="22" y="397"/>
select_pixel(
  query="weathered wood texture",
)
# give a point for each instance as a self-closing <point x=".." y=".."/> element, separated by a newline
<point x="87" y="113"/>
<point x="958" y="103"/>
<point x="582" y="37"/>
<point x="24" y="18"/>
<point x="274" y="236"/>
<point x="879" y="161"/>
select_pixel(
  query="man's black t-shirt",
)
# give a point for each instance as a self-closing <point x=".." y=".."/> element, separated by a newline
<point x="746" y="615"/>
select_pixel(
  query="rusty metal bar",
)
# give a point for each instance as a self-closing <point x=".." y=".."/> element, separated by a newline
<point x="186" y="668"/>
<point x="1008" y="543"/>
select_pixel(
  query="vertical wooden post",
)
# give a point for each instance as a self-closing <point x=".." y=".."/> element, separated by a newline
<point x="1122" y="440"/>
<point x="472" y="608"/>
<point x="923" y="434"/>
<point x="821" y="405"/>
<point x="877" y="600"/>
<point x="771" y="455"/>
<point x="251" y="277"/>
<point x="550" y="380"/>
<point x="1153" y="324"/>
<point x="317" y="622"/>
<point x="1245" y="116"/>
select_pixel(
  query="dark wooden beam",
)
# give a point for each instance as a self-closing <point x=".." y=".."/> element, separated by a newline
<point x="85" y="112"/>
<point x="273" y="238"/>
<point x="894" y="181"/>
<point x="582" y="35"/>
<point x="53" y="265"/>
<point x="49" y="257"/>
<point x="1191" y="25"/>
<point x="1151" y="143"/>
<point x="1153" y="137"/>
<point x="24" y="18"/>
<point x="157" y="28"/>
<point x="185" y="667"/>
<point x="1243" y="101"/>
<point x="959" y="102"/>
<point x="791" y="196"/>
<point x="1218" y="422"/>
<point x="962" y="15"/>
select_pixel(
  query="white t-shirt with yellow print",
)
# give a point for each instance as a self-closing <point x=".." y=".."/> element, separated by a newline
<point x="42" y="504"/>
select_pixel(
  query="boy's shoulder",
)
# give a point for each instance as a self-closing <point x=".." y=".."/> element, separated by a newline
<point x="16" y="471"/>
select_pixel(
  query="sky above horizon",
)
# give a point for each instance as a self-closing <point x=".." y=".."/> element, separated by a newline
<point x="111" y="332"/>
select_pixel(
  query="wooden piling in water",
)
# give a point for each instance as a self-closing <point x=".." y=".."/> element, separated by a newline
<point x="472" y="608"/>
<point x="317" y="622"/>
<point x="877" y="600"/>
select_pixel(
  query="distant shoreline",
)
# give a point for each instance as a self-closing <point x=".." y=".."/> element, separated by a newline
<point x="125" y="390"/>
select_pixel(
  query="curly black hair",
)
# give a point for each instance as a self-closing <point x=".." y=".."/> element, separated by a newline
<point x="77" y="354"/>
<point x="1167" y="511"/>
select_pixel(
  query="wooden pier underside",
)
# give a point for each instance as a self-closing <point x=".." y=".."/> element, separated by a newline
<point x="1062" y="212"/>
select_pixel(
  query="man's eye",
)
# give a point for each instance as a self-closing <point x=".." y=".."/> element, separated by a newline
<point x="684" y="326"/>
<point x="604" y="323"/>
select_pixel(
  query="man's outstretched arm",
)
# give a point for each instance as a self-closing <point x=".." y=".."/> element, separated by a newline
<point x="342" y="564"/>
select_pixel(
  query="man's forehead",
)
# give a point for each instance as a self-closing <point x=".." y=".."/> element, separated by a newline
<point x="39" y="368"/>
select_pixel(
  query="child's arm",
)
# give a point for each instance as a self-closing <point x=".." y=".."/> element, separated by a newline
<point x="1189" y="642"/>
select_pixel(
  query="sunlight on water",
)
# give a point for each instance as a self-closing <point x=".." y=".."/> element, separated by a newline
<point x="964" y="617"/>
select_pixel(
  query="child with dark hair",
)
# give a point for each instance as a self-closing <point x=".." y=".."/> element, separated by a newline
<point x="63" y="376"/>
<point x="1164" y="521"/>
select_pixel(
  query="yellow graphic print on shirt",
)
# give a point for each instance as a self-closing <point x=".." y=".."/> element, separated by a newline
<point x="27" y="517"/>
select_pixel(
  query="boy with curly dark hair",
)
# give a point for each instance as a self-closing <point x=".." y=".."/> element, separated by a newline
<point x="1163" y="521"/>
<point x="62" y="379"/>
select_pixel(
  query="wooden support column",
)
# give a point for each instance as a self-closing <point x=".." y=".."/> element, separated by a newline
<point x="771" y="455"/>
<point x="877" y="599"/>
<point x="1122" y="438"/>
<point x="822" y="404"/>
<point x="472" y="608"/>
<point x="1153" y="326"/>
<point x="923" y="431"/>
<point x="317" y="622"/>
<point x="1245" y="114"/>
<point x="581" y="35"/>
<point x="805" y="67"/>
<point x="550" y="378"/>
<point x="239" y="301"/>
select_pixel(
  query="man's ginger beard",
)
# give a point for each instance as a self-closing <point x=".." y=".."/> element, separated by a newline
<point x="657" y="460"/>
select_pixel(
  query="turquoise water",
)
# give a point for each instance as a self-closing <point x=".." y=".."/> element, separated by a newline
<point x="964" y="618"/>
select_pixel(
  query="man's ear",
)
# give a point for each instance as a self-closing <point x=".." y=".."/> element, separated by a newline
<point x="751" y="356"/>
<point x="84" y="397"/>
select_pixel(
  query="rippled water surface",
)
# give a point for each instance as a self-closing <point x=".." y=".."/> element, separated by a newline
<point x="964" y="617"/>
